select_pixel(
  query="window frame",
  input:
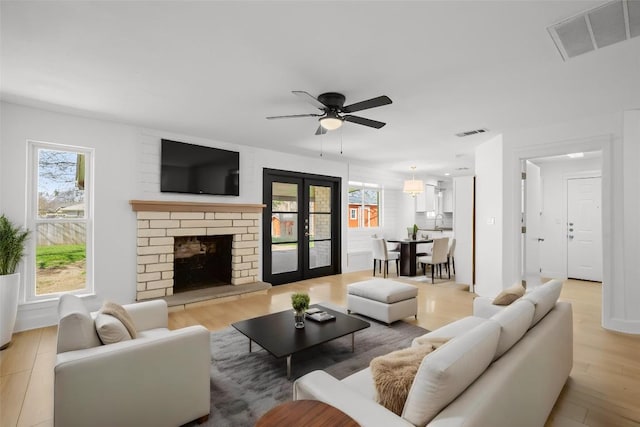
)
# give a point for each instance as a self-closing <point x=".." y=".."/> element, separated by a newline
<point x="362" y="209"/>
<point x="32" y="220"/>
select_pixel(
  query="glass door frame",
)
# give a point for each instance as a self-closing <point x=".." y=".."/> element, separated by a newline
<point x="304" y="182"/>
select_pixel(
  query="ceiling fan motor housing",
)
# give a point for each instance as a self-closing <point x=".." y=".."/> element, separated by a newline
<point x="332" y="100"/>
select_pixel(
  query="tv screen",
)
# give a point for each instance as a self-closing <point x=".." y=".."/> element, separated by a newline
<point x="188" y="168"/>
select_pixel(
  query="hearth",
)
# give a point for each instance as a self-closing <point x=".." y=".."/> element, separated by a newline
<point x="201" y="262"/>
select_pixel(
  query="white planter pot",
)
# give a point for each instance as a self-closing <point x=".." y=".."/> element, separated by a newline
<point x="9" y="289"/>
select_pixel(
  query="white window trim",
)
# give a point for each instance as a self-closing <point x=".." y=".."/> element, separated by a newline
<point x="361" y="208"/>
<point x="29" y="291"/>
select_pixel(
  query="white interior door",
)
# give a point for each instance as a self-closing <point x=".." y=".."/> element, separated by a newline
<point x="584" y="226"/>
<point x="533" y="207"/>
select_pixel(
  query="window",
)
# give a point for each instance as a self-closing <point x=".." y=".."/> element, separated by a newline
<point x="364" y="205"/>
<point x="60" y="216"/>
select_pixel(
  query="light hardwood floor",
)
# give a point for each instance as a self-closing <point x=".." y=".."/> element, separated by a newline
<point x="603" y="390"/>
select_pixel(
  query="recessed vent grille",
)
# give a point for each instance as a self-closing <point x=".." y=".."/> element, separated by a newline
<point x="471" y="132"/>
<point x="605" y="25"/>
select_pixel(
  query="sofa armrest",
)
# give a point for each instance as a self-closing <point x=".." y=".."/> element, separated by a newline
<point x="157" y="380"/>
<point x="318" y="385"/>
<point x="484" y="307"/>
<point x="149" y="314"/>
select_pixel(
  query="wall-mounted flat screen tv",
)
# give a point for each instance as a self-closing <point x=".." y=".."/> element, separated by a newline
<point x="196" y="169"/>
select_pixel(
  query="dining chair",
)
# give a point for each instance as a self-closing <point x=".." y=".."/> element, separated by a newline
<point x="437" y="258"/>
<point x="451" y="260"/>
<point x="381" y="253"/>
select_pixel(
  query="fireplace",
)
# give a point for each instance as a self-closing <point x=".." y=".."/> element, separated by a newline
<point x="201" y="262"/>
<point x="199" y="229"/>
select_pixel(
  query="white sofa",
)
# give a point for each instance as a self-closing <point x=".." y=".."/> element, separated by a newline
<point x="160" y="378"/>
<point x="505" y="369"/>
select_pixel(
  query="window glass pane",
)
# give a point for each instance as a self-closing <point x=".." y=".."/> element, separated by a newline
<point x="371" y="208"/>
<point x="284" y="197"/>
<point x="284" y="258"/>
<point x="319" y="226"/>
<point x="319" y="254"/>
<point x="60" y="257"/>
<point x="284" y="227"/>
<point x="61" y="181"/>
<point x="319" y="199"/>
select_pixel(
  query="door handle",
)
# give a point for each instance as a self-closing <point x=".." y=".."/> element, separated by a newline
<point x="570" y="236"/>
<point x="540" y="239"/>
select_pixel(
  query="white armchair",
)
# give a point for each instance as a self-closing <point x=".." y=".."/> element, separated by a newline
<point x="160" y="378"/>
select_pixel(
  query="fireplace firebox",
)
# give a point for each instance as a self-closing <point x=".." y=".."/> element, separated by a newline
<point x="202" y="262"/>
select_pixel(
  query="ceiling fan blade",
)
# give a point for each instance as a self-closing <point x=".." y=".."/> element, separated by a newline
<point x="369" y="103"/>
<point x="293" y="116"/>
<point x="321" y="130"/>
<point x="366" y="122"/>
<point x="309" y="98"/>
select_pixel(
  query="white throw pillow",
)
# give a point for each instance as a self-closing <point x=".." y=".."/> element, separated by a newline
<point x="514" y="321"/>
<point x="448" y="371"/>
<point x="544" y="298"/>
<point x="111" y="330"/>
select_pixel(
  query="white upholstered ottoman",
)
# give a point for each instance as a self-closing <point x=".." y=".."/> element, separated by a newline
<point x="383" y="299"/>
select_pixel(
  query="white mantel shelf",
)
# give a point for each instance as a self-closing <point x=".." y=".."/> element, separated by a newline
<point x="166" y="206"/>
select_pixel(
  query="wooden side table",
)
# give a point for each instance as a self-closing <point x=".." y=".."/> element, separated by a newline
<point x="308" y="413"/>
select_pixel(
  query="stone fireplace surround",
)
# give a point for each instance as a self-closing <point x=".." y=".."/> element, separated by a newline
<point x="158" y="222"/>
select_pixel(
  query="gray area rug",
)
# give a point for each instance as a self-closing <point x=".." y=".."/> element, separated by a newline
<point x="246" y="385"/>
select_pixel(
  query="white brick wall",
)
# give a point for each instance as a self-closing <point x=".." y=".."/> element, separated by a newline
<point x="155" y="240"/>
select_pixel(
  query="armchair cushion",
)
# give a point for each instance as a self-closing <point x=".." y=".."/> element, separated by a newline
<point x="119" y="312"/>
<point x="110" y="329"/>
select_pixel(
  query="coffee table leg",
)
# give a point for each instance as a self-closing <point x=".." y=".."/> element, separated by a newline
<point x="353" y="342"/>
<point x="289" y="367"/>
<point x="250" y="345"/>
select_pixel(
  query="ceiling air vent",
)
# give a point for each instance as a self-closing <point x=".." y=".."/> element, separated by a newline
<point x="471" y="132"/>
<point x="610" y="23"/>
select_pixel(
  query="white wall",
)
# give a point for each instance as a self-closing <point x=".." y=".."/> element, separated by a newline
<point x="553" y="250"/>
<point x="489" y="218"/>
<point x="463" y="229"/>
<point x="620" y="183"/>
<point x="126" y="167"/>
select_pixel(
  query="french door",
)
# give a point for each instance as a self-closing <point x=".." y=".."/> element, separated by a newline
<point x="301" y="226"/>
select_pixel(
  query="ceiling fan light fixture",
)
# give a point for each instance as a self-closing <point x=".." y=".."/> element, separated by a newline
<point x="331" y="122"/>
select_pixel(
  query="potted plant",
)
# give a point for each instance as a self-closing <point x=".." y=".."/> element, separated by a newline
<point x="415" y="232"/>
<point x="12" y="243"/>
<point x="300" y="303"/>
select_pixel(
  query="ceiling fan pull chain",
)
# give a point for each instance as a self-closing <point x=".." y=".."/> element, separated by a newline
<point x="341" y="131"/>
<point x="321" y="142"/>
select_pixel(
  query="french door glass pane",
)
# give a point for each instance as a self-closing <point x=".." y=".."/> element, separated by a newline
<point x="320" y="226"/>
<point x="60" y="257"/>
<point x="319" y="254"/>
<point x="319" y="199"/>
<point x="284" y="258"/>
<point x="284" y="197"/>
<point x="284" y="227"/>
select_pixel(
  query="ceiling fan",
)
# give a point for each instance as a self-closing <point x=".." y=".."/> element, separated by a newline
<point x="333" y="110"/>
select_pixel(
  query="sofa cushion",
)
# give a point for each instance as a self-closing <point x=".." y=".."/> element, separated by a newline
<point x="509" y="295"/>
<point x="544" y="298"/>
<point x="119" y="312"/>
<point x="383" y="290"/>
<point x="514" y="322"/>
<point x="450" y="330"/>
<point x="76" y="329"/>
<point x="110" y="329"/>
<point x="393" y="374"/>
<point x="445" y="373"/>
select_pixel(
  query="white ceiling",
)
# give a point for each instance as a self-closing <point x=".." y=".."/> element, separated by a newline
<point x="216" y="69"/>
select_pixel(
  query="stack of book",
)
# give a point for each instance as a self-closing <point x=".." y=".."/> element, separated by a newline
<point x="318" y="315"/>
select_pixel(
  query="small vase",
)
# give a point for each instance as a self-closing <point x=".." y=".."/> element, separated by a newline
<point x="299" y="319"/>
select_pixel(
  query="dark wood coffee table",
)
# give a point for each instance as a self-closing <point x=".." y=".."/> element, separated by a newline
<point x="277" y="335"/>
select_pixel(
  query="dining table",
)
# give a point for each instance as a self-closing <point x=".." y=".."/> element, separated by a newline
<point x="408" y="254"/>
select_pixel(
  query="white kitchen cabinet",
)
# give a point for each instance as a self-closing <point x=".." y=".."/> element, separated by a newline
<point x="426" y="202"/>
<point x="447" y="200"/>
